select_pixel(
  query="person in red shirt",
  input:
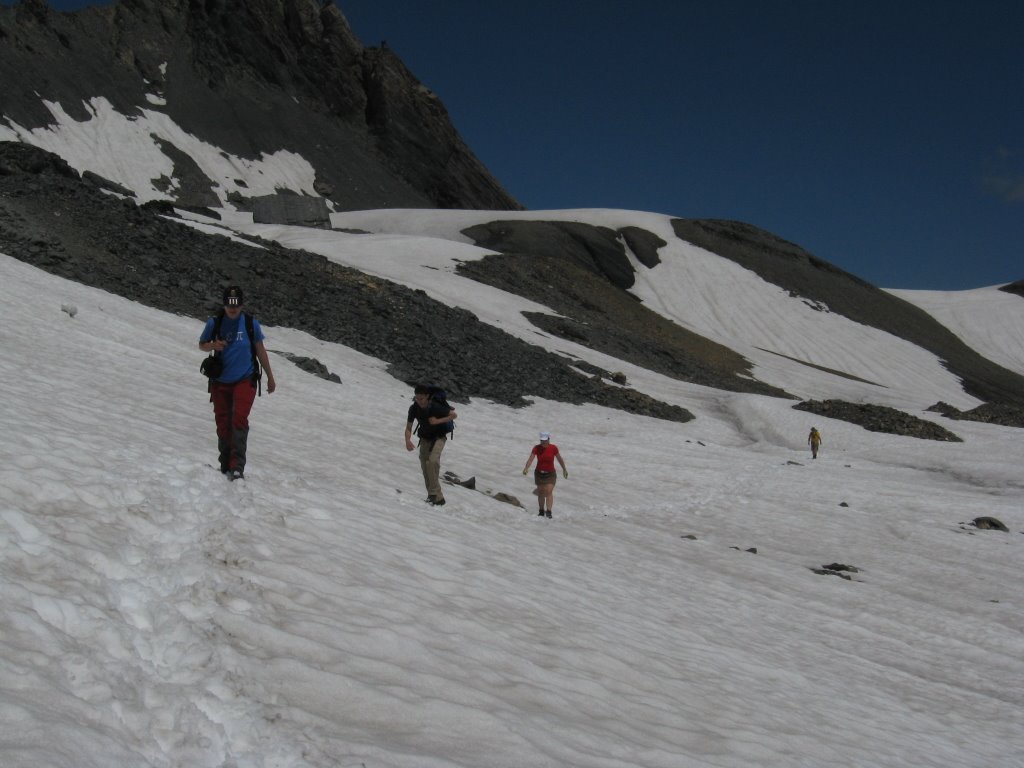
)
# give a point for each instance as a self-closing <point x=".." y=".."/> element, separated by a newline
<point x="545" y="453"/>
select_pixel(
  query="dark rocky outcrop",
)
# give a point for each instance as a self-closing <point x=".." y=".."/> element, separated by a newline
<point x="250" y="77"/>
<point x="989" y="413"/>
<point x="1015" y="288"/>
<point x="878" y="418"/>
<point x="837" y="569"/>
<point x="790" y="267"/>
<point x="292" y="209"/>
<point x="643" y="244"/>
<point x="989" y="524"/>
<point x="592" y="248"/>
<point x="311" y="365"/>
<point x="138" y="252"/>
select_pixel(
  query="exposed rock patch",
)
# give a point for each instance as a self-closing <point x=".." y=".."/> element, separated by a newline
<point x="593" y="248"/>
<point x="841" y="570"/>
<point x="311" y="365"/>
<point x="879" y="418"/>
<point x="643" y="244"/>
<point x="1016" y="287"/>
<point x="597" y="314"/>
<point x="989" y="524"/>
<point x="1006" y="415"/>
<point x="506" y="498"/>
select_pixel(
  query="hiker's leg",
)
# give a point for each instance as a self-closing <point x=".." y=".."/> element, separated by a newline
<point x="432" y="469"/>
<point x="545" y="493"/>
<point x="425" y="446"/>
<point x="222" y="405"/>
<point x="244" y="395"/>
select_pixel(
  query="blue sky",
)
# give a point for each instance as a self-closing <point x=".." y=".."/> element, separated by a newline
<point x="887" y="138"/>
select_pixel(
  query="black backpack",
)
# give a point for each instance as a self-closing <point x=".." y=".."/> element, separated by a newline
<point x="437" y="396"/>
<point x="213" y="364"/>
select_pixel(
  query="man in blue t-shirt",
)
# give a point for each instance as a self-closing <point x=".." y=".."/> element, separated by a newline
<point x="234" y="391"/>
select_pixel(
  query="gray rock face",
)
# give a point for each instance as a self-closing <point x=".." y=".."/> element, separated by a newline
<point x="250" y="76"/>
<point x="291" y="209"/>
<point x="1015" y="288"/>
<point x="879" y="418"/>
<point x="1006" y="415"/>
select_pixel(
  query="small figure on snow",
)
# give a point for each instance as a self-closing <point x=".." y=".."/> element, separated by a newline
<point x="435" y="422"/>
<point x="236" y="339"/>
<point x="545" y="452"/>
<point x="814" y="440"/>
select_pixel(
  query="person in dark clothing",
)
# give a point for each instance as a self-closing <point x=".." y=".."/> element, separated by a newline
<point x="435" y="421"/>
<point x="234" y="390"/>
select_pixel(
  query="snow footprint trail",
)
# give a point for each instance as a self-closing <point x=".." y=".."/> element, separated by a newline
<point x="209" y="712"/>
<point x="148" y="557"/>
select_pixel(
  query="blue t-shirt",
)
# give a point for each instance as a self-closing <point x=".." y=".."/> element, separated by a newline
<point x="237" y="354"/>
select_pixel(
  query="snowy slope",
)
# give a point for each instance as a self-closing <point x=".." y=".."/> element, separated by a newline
<point x="319" y="614"/>
<point x="698" y="290"/>
<point x="987" y="319"/>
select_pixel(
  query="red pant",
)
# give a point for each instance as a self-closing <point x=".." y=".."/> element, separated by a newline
<point x="231" y="406"/>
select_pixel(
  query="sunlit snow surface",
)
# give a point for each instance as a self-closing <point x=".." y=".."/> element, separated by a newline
<point x="319" y="614"/>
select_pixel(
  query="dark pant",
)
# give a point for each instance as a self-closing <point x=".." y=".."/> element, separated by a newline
<point x="231" y="406"/>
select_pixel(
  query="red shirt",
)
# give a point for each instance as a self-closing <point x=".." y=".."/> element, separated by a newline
<point x="545" y="456"/>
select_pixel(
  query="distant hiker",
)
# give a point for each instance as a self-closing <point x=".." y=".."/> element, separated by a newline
<point x="236" y="338"/>
<point x="545" y="453"/>
<point x="435" y="422"/>
<point x="814" y="440"/>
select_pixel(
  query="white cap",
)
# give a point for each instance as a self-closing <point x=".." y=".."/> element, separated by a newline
<point x="545" y="436"/>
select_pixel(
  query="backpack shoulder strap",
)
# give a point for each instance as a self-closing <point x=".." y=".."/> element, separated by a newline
<point x="257" y="371"/>
<point x="217" y="320"/>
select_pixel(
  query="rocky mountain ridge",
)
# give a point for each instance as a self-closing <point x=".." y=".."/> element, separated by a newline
<point x="249" y="78"/>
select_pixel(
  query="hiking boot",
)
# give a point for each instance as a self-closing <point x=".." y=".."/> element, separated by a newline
<point x="430" y="499"/>
<point x="236" y="474"/>
<point x="541" y="513"/>
<point x="438" y="502"/>
<point x="548" y="513"/>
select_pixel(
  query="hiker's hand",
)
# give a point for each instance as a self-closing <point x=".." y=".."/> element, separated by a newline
<point x="565" y="473"/>
<point x="453" y="415"/>
<point x="525" y="471"/>
<point x="271" y="384"/>
<point x="217" y="345"/>
<point x="409" y="445"/>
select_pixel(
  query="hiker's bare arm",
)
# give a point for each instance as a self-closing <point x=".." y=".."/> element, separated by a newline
<point x="261" y="355"/>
